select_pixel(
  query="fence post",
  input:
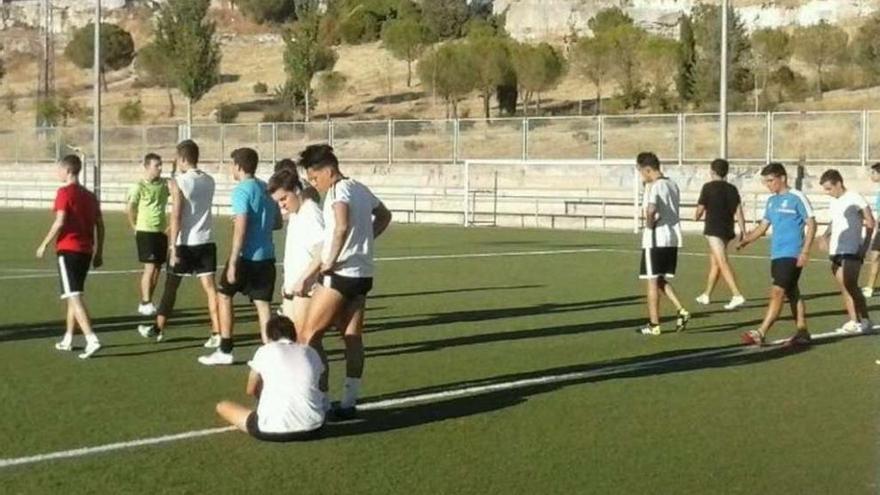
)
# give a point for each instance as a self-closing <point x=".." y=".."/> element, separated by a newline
<point x="274" y="143"/>
<point x="330" y="137"/>
<point x="390" y="141"/>
<point x="681" y="138"/>
<point x="865" y="143"/>
<point x="525" y="139"/>
<point x="57" y="144"/>
<point x="467" y="190"/>
<point x="600" y="146"/>
<point x="455" y="140"/>
<point x="223" y="143"/>
<point x="769" y="137"/>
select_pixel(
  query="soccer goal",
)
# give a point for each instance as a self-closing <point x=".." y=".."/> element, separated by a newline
<point x="551" y="193"/>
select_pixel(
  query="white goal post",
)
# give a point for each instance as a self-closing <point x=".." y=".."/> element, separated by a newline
<point x="565" y="182"/>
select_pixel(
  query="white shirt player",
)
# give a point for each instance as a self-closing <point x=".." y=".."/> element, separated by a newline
<point x="290" y="400"/>
<point x="196" y="221"/>
<point x="356" y="258"/>
<point x="305" y="234"/>
<point x="665" y="196"/>
<point x="846" y="223"/>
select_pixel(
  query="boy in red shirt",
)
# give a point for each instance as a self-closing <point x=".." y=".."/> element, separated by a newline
<point x="77" y="225"/>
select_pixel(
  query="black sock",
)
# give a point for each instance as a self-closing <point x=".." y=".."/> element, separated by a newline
<point x="226" y="345"/>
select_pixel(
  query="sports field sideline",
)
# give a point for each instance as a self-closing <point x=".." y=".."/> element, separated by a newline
<point x="497" y="360"/>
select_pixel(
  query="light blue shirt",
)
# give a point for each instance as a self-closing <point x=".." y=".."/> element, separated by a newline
<point x="250" y="198"/>
<point x="787" y="213"/>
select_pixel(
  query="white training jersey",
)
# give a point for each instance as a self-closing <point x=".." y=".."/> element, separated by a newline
<point x="356" y="258"/>
<point x="305" y="234"/>
<point x="196" y="221"/>
<point x="665" y="196"/>
<point x="846" y="223"/>
<point x="290" y="400"/>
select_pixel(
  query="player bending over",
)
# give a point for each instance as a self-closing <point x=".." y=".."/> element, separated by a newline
<point x="284" y="379"/>
<point x="78" y="232"/>
<point x="661" y="238"/>
<point x="788" y="211"/>
<point x="846" y="245"/>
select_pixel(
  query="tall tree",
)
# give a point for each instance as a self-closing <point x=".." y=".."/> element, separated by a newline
<point x="820" y="45"/>
<point x="539" y="68"/>
<point x="707" y="35"/>
<point x="186" y="36"/>
<point x="771" y="49"/>
<point x="867" y="46"/>
<point x="449" y="72"/>
<point x="687" y="59"/>
<point x="593" y="59"/>
<point x="659" y="56"/>
<point x="406" y="40"/>
<point x="117" y="48"/>
<point x="268" y="11"/>
<point x="493" y="67"/>
<point x="154" y="69"/>
<point x="305" y="55"/>
<point x="608" y="19"/>
<point x="445" y="18"/>
<point x="626" y="44"/>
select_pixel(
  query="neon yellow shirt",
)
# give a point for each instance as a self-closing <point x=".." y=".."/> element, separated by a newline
<point x="151" y="199"/>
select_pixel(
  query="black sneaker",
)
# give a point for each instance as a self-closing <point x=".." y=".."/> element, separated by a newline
<point x="343" y="413"/>
<point x="682" y="322"/>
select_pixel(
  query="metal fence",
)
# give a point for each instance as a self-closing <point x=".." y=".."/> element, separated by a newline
<point x="808" y="137"/>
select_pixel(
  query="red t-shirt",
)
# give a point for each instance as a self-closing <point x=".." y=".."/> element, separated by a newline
<point x="81" y="213"/>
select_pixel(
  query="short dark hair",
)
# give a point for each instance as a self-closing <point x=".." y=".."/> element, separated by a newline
<point x="286" y="179"/>
<point x="280" y="327"/>
<point x="285" y="163"/>
<point x="720" y="166"/>
<point x="648" y="159"/>
<point x="188" y="150"/>
<point x="71" y="163"/>
<point x="151" y="157"/>
<point x="876" y="167"/>
<point x="247" y="159"/>
<point x="831" y="175"/>
<point x="318" y="156"/>
<point x="775" y="169"/>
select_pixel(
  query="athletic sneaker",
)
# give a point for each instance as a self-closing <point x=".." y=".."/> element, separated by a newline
<point x="703" y="299"/>
<point x="682" y="322"/>
<point x="867" y="326"/>
<point x="217" y="358"/>
<point x="63" y="346"/>
<point x="213" y="341"/>
<point x="868" y="291"/>
<point x="752" y="337"/>
<point x="147" y="309"/>
<point x="91" y="349"/>
<point x="802" y="337"/>
<point x="344" y="413"/>
<point x="850" y="328"/>
<point x="148" y="331"/>
<point x="735" y="302"/>
<point x="650" y="330"/>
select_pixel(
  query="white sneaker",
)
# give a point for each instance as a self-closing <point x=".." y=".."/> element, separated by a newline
<point x="850" y="328"/>
<point x="91" y="349"/>
<point x="147" y="331"/>
<point x="146" y="309"/>
<point x="868" y="291"/>
<point x="703" y="299"/>
<point x="735" y="302"/>
<point x="867" y="326"/>
<point x="213" y="341"/>
<point x="216" y="358"/>
<point x="63" y="346"/>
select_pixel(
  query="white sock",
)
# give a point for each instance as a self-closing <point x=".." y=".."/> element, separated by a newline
<point x="67" y="339"/>
<point x="350" y="392"/>
<point x="92" y="339"/>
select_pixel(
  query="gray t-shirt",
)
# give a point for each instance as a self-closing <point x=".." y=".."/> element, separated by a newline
<point x="665" y="196"/>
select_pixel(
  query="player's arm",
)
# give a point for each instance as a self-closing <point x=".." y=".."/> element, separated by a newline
<point x="812" y="227"/>
<point x="741" y="220"/>
<point x="755" y="234"/>
<point x="174" y="221"/>
<point x="340" y="233"/>
<point x="254" y="384"/>
<point x="239" y="227"/>
<point x="381" y="219"/>
<point x="650" y="215"/>
<point x="699" y="212"/>
<point x="131" y="211"/>
<point x="98" y="259"/>
<point x="870" y="226"/>
<point x="53" y="232"/>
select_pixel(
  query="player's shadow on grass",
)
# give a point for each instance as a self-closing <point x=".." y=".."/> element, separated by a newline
<point x="785" y="316"/>
<point x="542" y="382"/>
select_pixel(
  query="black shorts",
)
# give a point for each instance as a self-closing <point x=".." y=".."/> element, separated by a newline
<point x="255" y="279"/>
<point x="253" y="428"/>
<point x="658" y="263"/>
<point x="196" y="261"/>
<point x="152" y="247"/>
<point x="838" y="260"/>
<point x="785" y="273"/>
<point x="349" y="287"/>
<point x="72" y="271"/>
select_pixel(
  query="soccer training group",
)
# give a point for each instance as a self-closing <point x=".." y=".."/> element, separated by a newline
<point x="328" y="264"/>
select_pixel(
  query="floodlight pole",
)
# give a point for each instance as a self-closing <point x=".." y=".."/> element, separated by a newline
<point x="723" y="88"/>
<point x="97" y="102"/>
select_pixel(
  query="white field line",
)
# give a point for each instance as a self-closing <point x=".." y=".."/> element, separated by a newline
<point x="52" y="274"/>
<point x="386" y="404"/>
